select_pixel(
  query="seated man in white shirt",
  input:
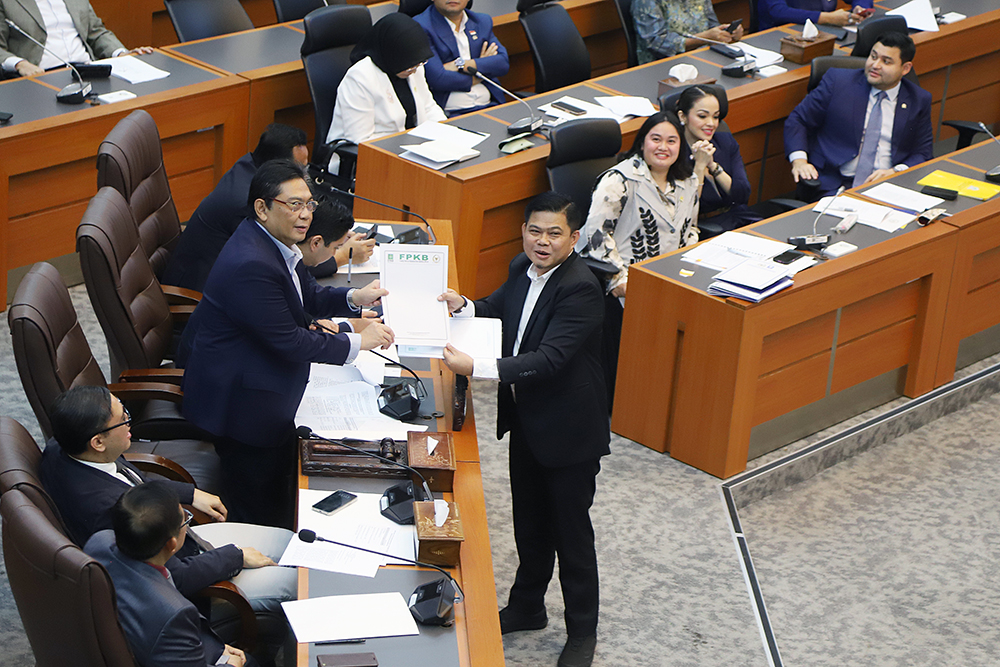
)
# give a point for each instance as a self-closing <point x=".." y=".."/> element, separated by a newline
<point x="69" y="28"/>
<point x="462" y="38"/>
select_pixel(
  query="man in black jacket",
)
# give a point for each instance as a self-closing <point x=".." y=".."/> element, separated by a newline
<point x="553" y="402"/>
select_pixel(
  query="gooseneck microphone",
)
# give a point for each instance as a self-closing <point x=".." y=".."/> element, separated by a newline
<point x="529" y="124"/>
<point x="819" y="215"/>
<point x="74" y="93"/>
<point x="430" y="603"/>
<point x="430" y="230"/>
<point x="993" y="175"/>
<point x="397" y="501"/>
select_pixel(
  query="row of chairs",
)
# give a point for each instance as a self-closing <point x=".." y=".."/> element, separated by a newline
<point x="124" y="240"/>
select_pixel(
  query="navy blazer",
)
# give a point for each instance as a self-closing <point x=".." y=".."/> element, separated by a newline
<point x="778" y="12"/>
<point x="829" y="123"/>
<point x="444" y="46"/>
<point x="85" y="495"/>
<point x="213" y="222"/>
<point x="727" y="155"/>
<point x="561" y="398"/>
<point x="251" y="347"/>
<point x="162" y="627"/>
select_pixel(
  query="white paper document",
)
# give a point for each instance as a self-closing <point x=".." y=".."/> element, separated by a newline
<point x="590" y="110"/>
<point x="434" y="131"/>
<point x="415" y="276"/>
<point x="133" y="69"/>
<point x="350" y="617"/>
<point x="437" y="154"/>
<point x="479" y="337"/>
<point x="874" y="215"/>
<point x="731" y="249"/>
<point x="762" y="57"/>
<point x="919" y="15"/>
<point x="627" y="105"/>
<point x="349" y="410"/>
<point x="904" y="198"/>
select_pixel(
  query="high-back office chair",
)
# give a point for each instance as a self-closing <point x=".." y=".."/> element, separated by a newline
<point x="198" y="19"/>
<point x="296" y="10"/>
<point x="66" y="599"/>
<point x="871" y="29"/>
<point x="413" y="7"/>
<point x="53" y="356"/>
<point x="331" y="33"/>
<point x="130" y="305"/>
<point x="557" y="49"/>
<point x="130" y="159"/>
<point x="819" y="66"/>
<point x="579" y="152"/>
<point x="624" y="8"/>
<point x="20" y="459"/>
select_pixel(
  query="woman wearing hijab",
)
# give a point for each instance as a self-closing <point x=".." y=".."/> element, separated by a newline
<point x="385" y="90"/>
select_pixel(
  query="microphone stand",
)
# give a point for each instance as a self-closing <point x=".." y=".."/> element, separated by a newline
<point x="529" y="124"/>
<point x="993" y="175"/>
<point x="74" y="93"/>
<point x="430" y="230"/>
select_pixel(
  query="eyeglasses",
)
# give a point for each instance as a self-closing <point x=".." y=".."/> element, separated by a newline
<point x="187" y="517"/>
<point x="296" y="206"/>
<point x="126" y="422"/>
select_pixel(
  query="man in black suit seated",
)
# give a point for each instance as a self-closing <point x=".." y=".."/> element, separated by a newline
<point x="84" y="472"/>
<point x="552" y="400"/>
<point x="222" y="211"/>
<point x="162" y="627"/>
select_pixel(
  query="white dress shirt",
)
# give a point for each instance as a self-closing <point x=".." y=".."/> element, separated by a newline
<point x="292" y="256"/>
<point x="487" y="368"/>
<point x="883" y="154"/>
<point x="109" y="468"/>
<point x="479" y="95"/>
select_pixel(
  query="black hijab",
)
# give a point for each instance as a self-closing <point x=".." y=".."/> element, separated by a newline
<point x="395" y="44"/>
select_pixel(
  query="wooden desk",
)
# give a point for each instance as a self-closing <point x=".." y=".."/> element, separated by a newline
<point x="48" y="169"/>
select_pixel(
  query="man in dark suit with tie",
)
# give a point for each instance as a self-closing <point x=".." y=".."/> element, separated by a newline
<point x="459" y="38"/>
<point x="252" y="345"/>
<point x="162" y="627"/>
<point x="553" y="402"/>
<point x="861" y="125"/>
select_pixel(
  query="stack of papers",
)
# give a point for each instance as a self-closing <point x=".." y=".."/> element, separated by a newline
<point x="446" y="145"/>
<point x="348" y="410"/>
<point x="133" y="69"/>
<point x="902" y="198"/>
<point x="967" y="187"/>
<point x="590" y="111"/>
<point x="919" y="15"/>
<point x="626" y="105"/>
<point x="342" y="617"/>
<point x="762" y="57"/>
<point x="415" y="277"/>
<point x="479" y="337"/>
<point x="874" y="215"/>
<point x="731" y="249"/>
<point x="752" y="280"/>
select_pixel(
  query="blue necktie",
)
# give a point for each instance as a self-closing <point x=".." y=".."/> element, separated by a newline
<point x="869" y="145"/>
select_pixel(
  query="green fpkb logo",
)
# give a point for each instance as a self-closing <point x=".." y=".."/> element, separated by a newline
<point x="412" y="257"/>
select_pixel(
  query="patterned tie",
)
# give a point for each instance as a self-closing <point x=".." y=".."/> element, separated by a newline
<point x="869" y="145"/>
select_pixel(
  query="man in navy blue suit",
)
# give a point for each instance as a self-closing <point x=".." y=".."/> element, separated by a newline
<point x="459" y="38"/>
<point x="827" y="135"/>
<point x="251" y="347"/>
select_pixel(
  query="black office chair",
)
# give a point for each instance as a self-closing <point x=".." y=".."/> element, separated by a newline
<point x="624" y="8"/>
<point x="870" y="30"/>
<point x="198" y="19"/>
<point x="413" y="7"/>
<point x="559" y="52"/>
<point x="579" y="152"/>
<point x="754" y="24"/>
<point x="295" y="10"/>
<point x="819" y="66"/>
<point x="331" y="33"/>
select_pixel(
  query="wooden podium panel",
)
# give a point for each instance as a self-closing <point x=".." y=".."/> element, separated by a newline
<point x="696" y="373"/>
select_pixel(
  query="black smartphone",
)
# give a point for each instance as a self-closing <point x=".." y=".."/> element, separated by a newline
<point x="335" y="502"/>
<point x="789" y="256"/>
<point x="5" y="116"/>
<point x="370" y="234"/>
<point x="568" y="108"/>
<point x="731" y="28"/>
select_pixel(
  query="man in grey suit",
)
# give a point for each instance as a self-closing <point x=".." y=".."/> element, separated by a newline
<point x="162" y="627"/>
<point x="70" y="28"/>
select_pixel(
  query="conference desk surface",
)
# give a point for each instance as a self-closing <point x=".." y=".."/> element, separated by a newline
<point x="716" y="381"/>
<point x="48" y="170"/>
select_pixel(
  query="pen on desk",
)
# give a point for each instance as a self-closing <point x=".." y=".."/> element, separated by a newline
<point x="482" y="134"/>
<point x="341" y="641"/>
<point x="350" y="262"/>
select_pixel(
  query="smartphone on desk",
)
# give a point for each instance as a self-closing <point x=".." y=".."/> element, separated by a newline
<point x="568" y="108"/>
<point x="335" y="502"/>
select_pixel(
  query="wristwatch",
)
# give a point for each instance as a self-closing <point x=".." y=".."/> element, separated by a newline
<point x="718" y="170"/>
<point x="460" y="63"/>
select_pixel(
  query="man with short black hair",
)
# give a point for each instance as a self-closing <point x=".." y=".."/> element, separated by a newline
<point x="162" y="627"/>
<point x="252" y="346"/>
<point x="858" y="126"/>
<point x="552" y="400"/>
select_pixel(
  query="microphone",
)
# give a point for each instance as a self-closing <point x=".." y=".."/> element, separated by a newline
<point x="993" y="175"/>
<point x="827" y="207"/>
<point x="74" y="93"/>
<point x="397" y="501"/>
<point x="529" y="124"/>
<point x="430" y="230"/>
<point x="430" y="603"/>
<point x="736" y="70"/>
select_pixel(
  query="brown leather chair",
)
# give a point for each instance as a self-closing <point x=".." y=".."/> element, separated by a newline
<point x="130" y="159"/>
<point x="53" y="356"/>
<point x="130" y="304"/>
<point x="65" y="597"/>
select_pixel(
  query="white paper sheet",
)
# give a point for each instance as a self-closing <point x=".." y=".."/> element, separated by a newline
<point x="591" y="110"/>
<point x="432" y="130"/>
<point x="479" y="337"/>
<point x="874" y="215"/>
<point x="919" y="15"/>
<point x="732" y="248"/>
<point x="441" y="151"/>
<point x="904" y="198"/>
<point x="415" y="276"/>
<point x="133" y="70"/>
<point x="349" y="410"/>
<point x="763" y="57"/>
<point x="627" y="105"/>
<point x="350" y="617"/>
<point x="378" y="534"/>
